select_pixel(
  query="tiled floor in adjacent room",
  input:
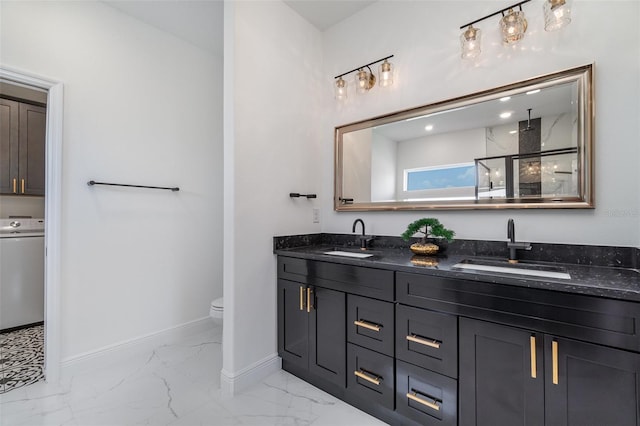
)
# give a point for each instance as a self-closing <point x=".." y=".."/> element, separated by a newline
<point x="176" y="384"/>
<point x="21" y="358"/>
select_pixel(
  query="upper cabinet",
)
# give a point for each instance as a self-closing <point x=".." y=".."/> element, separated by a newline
<point x="525" y="145"/>
<point x="22" y="148"/>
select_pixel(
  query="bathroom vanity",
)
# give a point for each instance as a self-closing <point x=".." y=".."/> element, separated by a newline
<point x="431" y="343"/>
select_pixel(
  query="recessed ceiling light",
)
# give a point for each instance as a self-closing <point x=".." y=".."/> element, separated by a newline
<point x="532" y="92"/>
<point x="505" y="99"/>
<point x="428" y="127"/>
<point x="513" y="132"/>
<point x="505" y="115"/>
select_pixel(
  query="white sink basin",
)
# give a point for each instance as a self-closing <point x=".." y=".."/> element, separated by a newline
<point x="508" y="269"/>
<point x="348" y="254"/>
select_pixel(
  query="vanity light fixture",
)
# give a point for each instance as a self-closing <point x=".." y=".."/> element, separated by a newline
<point x="557" y="14"/>
<point x="513" y="26"/>
<point x="365" y="80"/>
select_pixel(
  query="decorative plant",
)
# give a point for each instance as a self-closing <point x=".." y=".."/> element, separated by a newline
<point x="429" y="227"/>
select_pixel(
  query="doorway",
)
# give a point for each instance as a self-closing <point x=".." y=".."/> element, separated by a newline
<point x="52" y="210"/>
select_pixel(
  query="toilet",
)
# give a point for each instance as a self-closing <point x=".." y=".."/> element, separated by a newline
<point x="217" y="309"/>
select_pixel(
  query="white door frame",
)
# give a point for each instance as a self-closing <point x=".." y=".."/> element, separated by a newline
<point x="53" y="219"/>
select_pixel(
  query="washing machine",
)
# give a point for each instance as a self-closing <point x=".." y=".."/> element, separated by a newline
<point x="21" y="272"/>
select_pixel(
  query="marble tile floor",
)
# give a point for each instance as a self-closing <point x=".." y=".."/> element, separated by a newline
<point x="21" y="358"/>
<point x="175" y="384"/>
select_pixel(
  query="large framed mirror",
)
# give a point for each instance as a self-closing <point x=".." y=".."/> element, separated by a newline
<point x="524" y="145"/>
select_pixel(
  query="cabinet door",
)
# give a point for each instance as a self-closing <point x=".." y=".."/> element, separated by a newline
<point x="587" y="384"/>
<point x="31" y="177"/>
<point x="328" y="344"/>
<point x="501" y="375"/>
<point x="9" y="127"/>
<point x="293" y="323"/>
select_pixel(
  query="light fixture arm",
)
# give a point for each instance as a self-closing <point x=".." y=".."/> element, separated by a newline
<point x="367" y="65"/>
<point x="489" y="16"/>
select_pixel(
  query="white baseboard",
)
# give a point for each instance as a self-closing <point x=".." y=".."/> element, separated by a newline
<point x="123" y="350"/>
<point x="231" y="384"/>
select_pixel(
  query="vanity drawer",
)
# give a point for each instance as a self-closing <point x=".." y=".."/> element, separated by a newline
<point x="370" y="323"/>
<point x="426" y="397"/>
<point x="370" y="376"/>
<point x="369" y="282"/>
<point x="593" y="319"/>
<point x="427" y="339"/>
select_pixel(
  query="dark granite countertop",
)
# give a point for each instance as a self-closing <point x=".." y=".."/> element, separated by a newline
<point x="587" y="279"/>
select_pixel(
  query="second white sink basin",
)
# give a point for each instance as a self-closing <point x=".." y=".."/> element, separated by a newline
<point x="348" y="254"/>
<point x="516" y="269"/>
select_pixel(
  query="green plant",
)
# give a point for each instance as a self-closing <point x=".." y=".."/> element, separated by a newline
<point x="430" y="227"/>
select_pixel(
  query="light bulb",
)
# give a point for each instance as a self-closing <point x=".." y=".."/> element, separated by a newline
<point x="513" y="26"/>
<point x="341" y="89"/>
<point x="470" y="42"/>
<point x="557" y="14"/>
<point x="385" y="74"/>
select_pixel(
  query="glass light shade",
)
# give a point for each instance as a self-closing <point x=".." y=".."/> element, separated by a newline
<point x="341" y="89"/>
<point x="513" y="26"/>
<point x="470" y="41"/>
<point x="385" y="74"/>
<point x="557" y="14"/>
<point x="364" y="81"/>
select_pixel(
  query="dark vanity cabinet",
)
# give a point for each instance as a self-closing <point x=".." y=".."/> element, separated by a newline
<point x="312" y="335"/>
<point x="417" y="349"/>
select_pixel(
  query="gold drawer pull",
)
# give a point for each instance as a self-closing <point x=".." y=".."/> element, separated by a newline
<point x="414" y="397"/>
<point x="301" y="298"/>
<point x="534" y="372"/>
<point x="375" y="380"/>
<point x="309" y="304"/>
<point x="554" y="361"/>
<point x="420" y="340"/>
<point x="14" y="186"/>
<point x="22" y="185"/>
<point x="367" y="325"/>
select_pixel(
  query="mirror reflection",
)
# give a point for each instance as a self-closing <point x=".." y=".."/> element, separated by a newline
<point x="523" y="145"/>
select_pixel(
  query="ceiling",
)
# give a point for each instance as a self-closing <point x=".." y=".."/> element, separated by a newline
<point x="200" y="22"/>
<point x="326" y="13"/>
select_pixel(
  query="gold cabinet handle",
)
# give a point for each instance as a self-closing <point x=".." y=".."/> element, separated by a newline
<point x="22" y="185"/>
<point x="309" y="304"/>
<point x="375" y="380"/>
<point x="15" y="189"/>
<point x="554" y="361"/>
<point x="301" y="298"/>
<point x="420" y="340"/>
<point x="534" y="370"/>
<point x="431" y="404"/>
<point x="368" y="325"/>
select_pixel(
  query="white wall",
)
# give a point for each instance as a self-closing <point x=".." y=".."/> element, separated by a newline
<point x="273" y="98"/>
<point x="429" y="69"/>
<point x="140" y="106"/>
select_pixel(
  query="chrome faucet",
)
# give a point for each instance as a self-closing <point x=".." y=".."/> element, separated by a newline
<point x="363" y="239"/>
<point x="512" y="244"/>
